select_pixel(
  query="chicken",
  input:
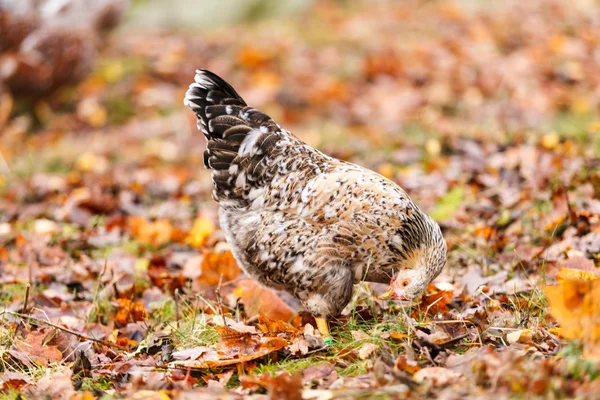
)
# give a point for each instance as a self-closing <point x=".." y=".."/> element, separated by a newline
<point x="47" y="44"/>
<point x="301" y="221"/>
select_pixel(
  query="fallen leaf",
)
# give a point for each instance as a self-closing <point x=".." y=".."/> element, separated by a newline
<point x="569" y="273"/>
<point x="218" y="267"/>
<point x="13" y="380"/>
<point x="406" y="365"/>
<point x="366" y="350"/>
<point x="435" y="303"/>
<point x="398" y="335"/>
<point x="359" y="335"/>
<point x="519" y="336"/>
<point x="235" y="347"/>
<point x="319" y="372"/>
<point x="155" y="233"/>
<point x="438" y="376"/>
<point x="281" y="387"/>
<point x="45" y="226"/>
<point x="35" y="344"/>
<point x="276" y="327"/>
<point x="260" y="300"/>
<point x="202" y="353"/>
<point x="55" y="385"/>
<point x="575" y="303"/>
<point x="129" y="311"/>
<point x="201" y="231"/>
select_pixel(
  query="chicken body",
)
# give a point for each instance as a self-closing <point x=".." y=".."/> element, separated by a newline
<point x="299" y="220"/>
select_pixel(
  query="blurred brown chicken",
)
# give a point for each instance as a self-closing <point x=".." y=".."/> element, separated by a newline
<point x="45" y="44"/>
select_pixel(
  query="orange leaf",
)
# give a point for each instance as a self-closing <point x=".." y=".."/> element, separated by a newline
<point x="217" y="265"/>
<point x="575" y="303"/>
<point x="129" y="311"/>
<point x="259" y="300"/>
<point x="155" y="233"/>
<point x="436" y="302"/>
<point x="252" y="57"/>
<point x="276" y="327"/>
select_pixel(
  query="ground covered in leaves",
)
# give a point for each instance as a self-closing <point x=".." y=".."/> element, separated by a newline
<point x="115" y="280"/>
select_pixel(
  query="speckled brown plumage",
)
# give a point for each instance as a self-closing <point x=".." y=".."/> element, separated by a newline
<point x="301" y="221"/>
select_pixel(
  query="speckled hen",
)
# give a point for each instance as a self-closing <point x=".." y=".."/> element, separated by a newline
<point x="299" y="220"/>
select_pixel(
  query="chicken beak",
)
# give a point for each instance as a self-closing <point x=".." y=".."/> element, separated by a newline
<point x="387" y="295"/>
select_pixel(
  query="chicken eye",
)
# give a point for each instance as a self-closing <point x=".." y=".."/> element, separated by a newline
<point x="405" y="282"/>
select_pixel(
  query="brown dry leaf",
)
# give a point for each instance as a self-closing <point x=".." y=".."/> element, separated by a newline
<point x="55" y="385"/>
<point x="438" y="376"/>
<point x="436" y="302"/>
<point x="217" y="267"/>
<point x="276" y="327"/>
<point x="281" y="387"/>
<point x="164" y="277"/>
<point x="366" y="350"/>
<point x="235" y="347"/>
<point x="406" y="365"/>
<point x="259" y="300"/>
<point x="236" y="343"/>
<point x="35" y="344"/>
<point x="575" y="303"/>
<point x="13" y="380"/>
<point x="236" y="350"/>
<point x="202" y="353"/>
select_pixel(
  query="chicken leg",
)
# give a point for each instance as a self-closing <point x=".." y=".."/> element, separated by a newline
<point x="323" y="328"/>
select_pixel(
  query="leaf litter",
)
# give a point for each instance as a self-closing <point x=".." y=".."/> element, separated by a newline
<point x="115" y="278"/>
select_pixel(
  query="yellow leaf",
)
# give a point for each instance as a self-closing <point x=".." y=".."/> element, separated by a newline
<point x="550" y="140"/>
<point x="433" y="147"/>
<point x="398" y="335"/>
<point x="575" y="303"/>
<point x="580" y="105"/>
<point x="201" y="230"/>
<point x="386" y="170"/>
<point x="151" y="395"/>
<point x="569" y="273"/>
<point x="90" y="162"/>
<point x="556" y="331"/>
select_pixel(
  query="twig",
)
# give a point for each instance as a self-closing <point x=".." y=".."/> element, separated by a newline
<point x="28" y="288"/>
<point x="451" y="342"/>
<point x="219" y="300"/>
<point x="66" y="330"/>
<point x="175" y="296"/>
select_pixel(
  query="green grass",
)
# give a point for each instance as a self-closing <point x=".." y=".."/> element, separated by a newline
<point x="10" y="291"/>
<point x="290" y="365"/>
<point x="12" y="394"/>
<point x="577" y="366"/>
<point x="102" y="383"/>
